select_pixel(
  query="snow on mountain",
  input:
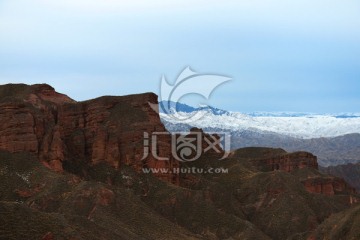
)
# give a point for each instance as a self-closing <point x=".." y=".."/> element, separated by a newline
<point x="173" y="107"/>
<point x="299" y="125"/>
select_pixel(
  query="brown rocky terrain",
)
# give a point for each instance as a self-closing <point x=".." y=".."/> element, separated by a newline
<point x="343" y="225"/>
<point x="67" y="134"/>
<point x="350" y="172"/>
<point x="289" y="162"/>
<point x="74" y="170"/>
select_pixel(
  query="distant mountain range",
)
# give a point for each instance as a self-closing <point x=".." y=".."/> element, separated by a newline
<point x="334" y="138"/>
<point x="181" y="107"/>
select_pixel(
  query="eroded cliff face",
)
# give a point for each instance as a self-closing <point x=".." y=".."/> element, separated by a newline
<point x="264" y="193"/>
<point x="67" y="134"/>
<point x="313" y="182"/>
<point x="329" y="186"/>
<point x="70" y="135"/>
<point x="289" y="162"/>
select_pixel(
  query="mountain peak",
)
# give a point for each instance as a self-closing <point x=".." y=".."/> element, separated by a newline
<point x="33" y="93"/>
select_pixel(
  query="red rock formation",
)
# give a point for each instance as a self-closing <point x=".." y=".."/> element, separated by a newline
<point x="328" y="186"/>
<point x="62" y="131"/>
<point x="289" y="162"/>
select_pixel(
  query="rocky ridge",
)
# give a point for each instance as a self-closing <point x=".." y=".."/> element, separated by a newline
<point x="71" y="135"/>
<point x="78" y="166"/>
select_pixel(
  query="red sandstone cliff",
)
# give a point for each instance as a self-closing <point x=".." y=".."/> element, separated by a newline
<point x="328" y="185"/>
<point x="289" y="162"/>
<point x="66" y="133"/>
<point x="313" y="183"/>
<point x="262" y="186"/>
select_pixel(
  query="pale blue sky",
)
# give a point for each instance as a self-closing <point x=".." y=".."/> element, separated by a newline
<point x="299" y="55"/>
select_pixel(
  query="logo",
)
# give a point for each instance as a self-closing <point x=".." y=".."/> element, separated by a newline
<point x="187" y="147"/>
<point x="187" y="83"/>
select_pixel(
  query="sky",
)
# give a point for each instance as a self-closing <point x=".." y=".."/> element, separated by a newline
<point x="299" y="55"/>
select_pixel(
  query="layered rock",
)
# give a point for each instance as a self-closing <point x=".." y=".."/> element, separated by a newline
<point x="74" y="135"/>
<point x="304" y="165"/>
<point x="350" y="173"/>
<point x="289" y="162"/>
<point x="328" y="186"/>
<point x="253" y="199"/>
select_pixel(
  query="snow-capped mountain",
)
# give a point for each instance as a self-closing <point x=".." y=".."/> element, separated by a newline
<point x="169" y="107"/>
<point x="298" y="125"/>
<point x="334" y="138"/>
